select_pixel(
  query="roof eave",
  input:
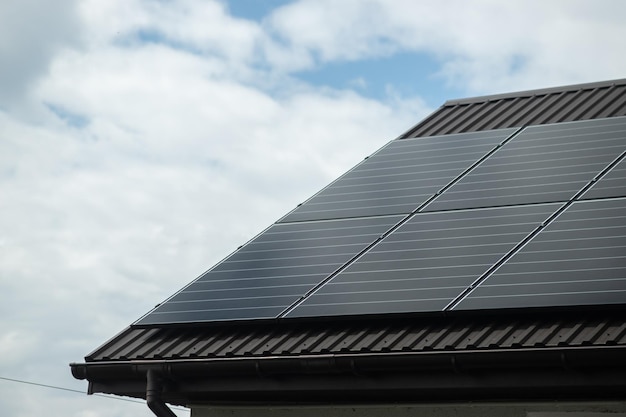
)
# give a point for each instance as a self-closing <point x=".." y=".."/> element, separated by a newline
<point x="557" y="373"/>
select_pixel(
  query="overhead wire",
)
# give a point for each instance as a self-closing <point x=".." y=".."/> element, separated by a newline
<point x="20" y="381"/>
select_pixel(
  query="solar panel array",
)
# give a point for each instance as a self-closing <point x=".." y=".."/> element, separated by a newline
<point x="483" y="220"/>
<point x="426" y="263"/>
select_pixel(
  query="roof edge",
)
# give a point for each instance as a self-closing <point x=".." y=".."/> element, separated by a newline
<point x="328" y="378"/>
<point x="559" y="356"/>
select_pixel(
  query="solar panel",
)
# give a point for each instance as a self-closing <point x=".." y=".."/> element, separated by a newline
<point x="541" y="164"/>
<point x="578" y="259"/>
<point x="399" y="177"/>
<point x="425" y="263"/>
<point x="613" y="184"/>
<point x="271" y="272"/>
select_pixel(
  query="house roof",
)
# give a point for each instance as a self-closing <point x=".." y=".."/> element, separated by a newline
<point x="314" y="357"/>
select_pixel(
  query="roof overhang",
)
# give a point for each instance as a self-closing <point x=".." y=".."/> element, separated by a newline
<point x="583" y="373"/>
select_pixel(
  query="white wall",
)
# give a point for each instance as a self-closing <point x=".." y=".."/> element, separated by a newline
<point x="552" y="409"/>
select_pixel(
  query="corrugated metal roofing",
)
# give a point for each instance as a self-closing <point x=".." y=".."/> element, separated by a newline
<point x="377" y="336"/>
<point x="536" y="107"/>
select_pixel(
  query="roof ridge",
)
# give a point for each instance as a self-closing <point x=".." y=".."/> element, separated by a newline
<point x="534" y="92"/>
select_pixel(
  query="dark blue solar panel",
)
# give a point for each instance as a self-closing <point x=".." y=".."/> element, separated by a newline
<point x="541" y="164"/>
<point x="271" y="272"/>
<point x="579" y="259"/>
<point x="426" y="263"/>
<point x="399" y="177"/>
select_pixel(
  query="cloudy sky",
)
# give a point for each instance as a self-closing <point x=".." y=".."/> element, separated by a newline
<point x="143" y="141"/>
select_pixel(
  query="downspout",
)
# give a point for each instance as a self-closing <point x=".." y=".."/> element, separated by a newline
<point x="154" y="387"/>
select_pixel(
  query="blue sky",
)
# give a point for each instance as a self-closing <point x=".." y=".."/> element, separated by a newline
<point x="141" y="141"/>
<point x="254" y="9"/>
<point x="404" y="74"/>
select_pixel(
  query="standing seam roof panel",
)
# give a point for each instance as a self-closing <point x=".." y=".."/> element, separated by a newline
<point x="400" y="335"/>
<point x="577" y="102"/>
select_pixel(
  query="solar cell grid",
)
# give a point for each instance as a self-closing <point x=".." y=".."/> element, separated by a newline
<point x="426" y="262"/>
<point x="541" y="164"/>
<point x="399" y="177"/>
<point x="271" y="272"/>
<point x="579" y="259"/>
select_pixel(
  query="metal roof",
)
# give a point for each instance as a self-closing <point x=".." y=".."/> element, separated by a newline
<point x="535" y="107"/>
<point x="567" y="355"/>
<point x="427" y="334"/>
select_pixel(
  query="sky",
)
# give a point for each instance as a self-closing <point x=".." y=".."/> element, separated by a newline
<point x="141" y="141"/>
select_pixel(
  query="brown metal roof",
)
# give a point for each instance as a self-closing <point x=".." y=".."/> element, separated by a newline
<point x="536" y="107"/>
<point x="368" y="336"/>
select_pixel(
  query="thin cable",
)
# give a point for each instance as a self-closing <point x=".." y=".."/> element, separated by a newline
<point x="80" y="392"/>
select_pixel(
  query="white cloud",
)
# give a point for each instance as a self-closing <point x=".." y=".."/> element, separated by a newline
<point x="32" y="32"/>
<point x="179" y="157"/>
<point x="483" y="46"/>
<point x="144" y="141"/>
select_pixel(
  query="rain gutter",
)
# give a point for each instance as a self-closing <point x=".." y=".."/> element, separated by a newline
<point x="592" y="364"/>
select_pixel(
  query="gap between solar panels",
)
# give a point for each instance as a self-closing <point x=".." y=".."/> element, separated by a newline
<point x="293" y="306"/>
